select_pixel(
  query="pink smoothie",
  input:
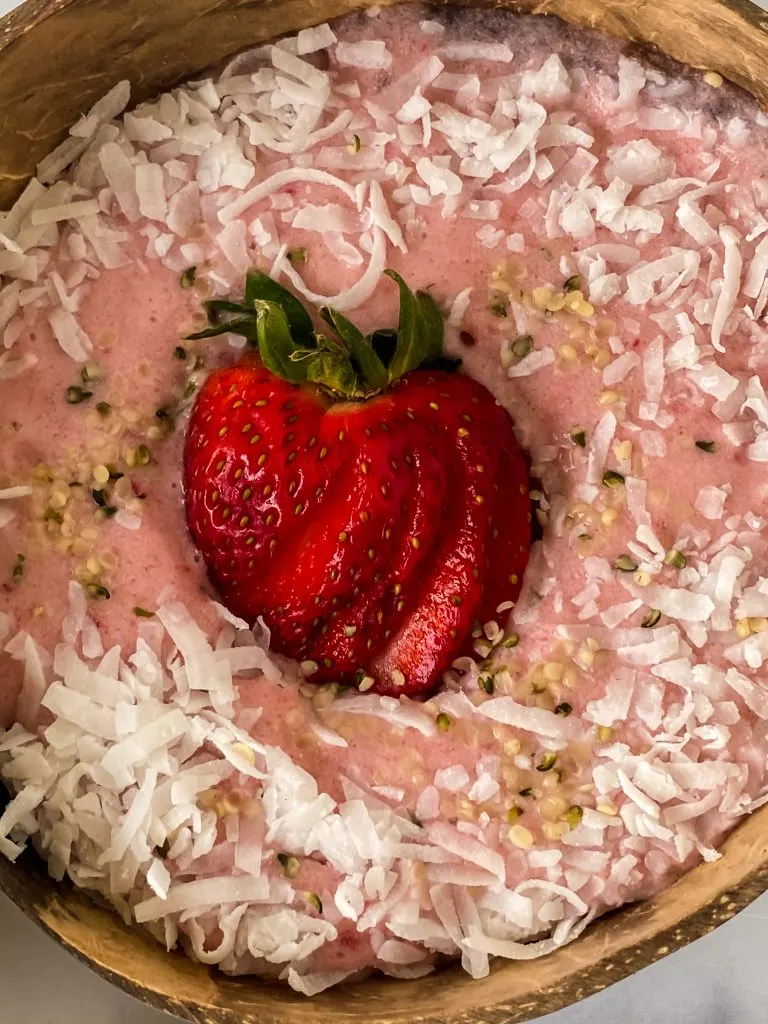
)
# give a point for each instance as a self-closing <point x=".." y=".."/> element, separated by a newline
<point x="637" y="396"/>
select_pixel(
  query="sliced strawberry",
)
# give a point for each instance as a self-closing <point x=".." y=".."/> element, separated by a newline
<point x="370" y="520"/>
<point x="342" y="550"/>
<point x="446" y="606"/>
<point x="489" y="424"/>
<point x="511" y="545"/>
<point x="376" y="612"/>
<point x="246" y="488"/>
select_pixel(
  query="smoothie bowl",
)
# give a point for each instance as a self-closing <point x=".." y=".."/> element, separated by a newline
<point x="382" y="516"/>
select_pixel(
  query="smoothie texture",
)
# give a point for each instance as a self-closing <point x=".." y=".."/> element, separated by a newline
<point x="593" y="223"/>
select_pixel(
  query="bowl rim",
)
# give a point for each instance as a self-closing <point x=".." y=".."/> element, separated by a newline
<point x="617" y="944"/>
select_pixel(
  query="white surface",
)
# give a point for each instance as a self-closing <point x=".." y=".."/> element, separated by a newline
<point x="719" y="980"/>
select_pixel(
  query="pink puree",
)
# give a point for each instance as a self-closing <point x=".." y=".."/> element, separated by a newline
<point x="136" y="317"/>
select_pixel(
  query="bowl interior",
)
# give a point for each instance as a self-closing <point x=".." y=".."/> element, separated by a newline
<point x="56" y="58"/>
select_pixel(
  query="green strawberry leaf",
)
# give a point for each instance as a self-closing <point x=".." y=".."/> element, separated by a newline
<point x="419" y="330"/>
<point x="371" y="370"/>
<point x="277" y="348"/>
<point x="432" y="325"/>
<point x="244" y="325"/>
<point x="410" y="351"/>
<point x="260" y="287"/>
<point x="349" y="364"/>
<point x="331" y="369"/>
<point x="215" y="307"/>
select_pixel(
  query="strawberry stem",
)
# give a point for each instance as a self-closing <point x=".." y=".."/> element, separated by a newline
<point x="348" y="364"/>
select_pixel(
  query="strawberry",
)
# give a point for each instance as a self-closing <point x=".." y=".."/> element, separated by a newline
<point x="370" y="503"/>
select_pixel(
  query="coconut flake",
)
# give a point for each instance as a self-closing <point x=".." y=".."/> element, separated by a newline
<point x="440" y="180"/>
<point x="537" y="360"/>
<point x="314" y="983"/>
<point x="713" y="380"/>
<point x="726" y="300"/>
<point x="653" y="371"/>
<point x="121" y="177"/>
<point x="663" y="645"/>
<point x="758" y="269"/>
<point x="413" y="109"/>
<point x="383" y="219"/>
<point x="355" y="295"/>
<point x="22" y="804"/>
<point x="310" y="40"/>
<point x="550" y="84"/>
<point x="638" y="162"/>
<point x="325" y="735"/>
<point x="678" y="603"/>
<point x="710" y="501"/>
<point x="301" y="70"/>
<point x="145" y="129"/>
<point x="752" y="693"/>
<point x="204" y="892"/>
<point x="104" y="110"/>
<point x="459" y="307"/>
<point x="370" y="54"/>
<point x="758" y="451"/>
<point x="683" y="354"/>
<point x="618" y="613"/>
<point x="150" y="189"/>
<point x="543" y="723"/>
<point x="63" y="211"/>
<point x="631" y="82"/>
<point x="641" y="280"/>
<point x="17" y="491"/>
<point x="233" y="244"/>
<point x="753" y="602"/>
<point x="279" y="180"/>
<point x="468" y="51"/>
<point x="388" y="709"/>
<point x="614" y="705"/>
<point x="756" y="400"/>
<point x="466" y="848"/>
<point x="453" y="779"/>
<point x="599" y="447"/>
<point x="637" y="796"/>
<point x="71" y="337"/>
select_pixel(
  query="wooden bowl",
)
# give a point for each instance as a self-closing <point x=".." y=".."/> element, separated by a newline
<point x="56" y="58"/>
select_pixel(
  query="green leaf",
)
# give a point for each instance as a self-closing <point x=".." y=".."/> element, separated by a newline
<point x="245" y="325"/>
<point x="277" y="348"/>
<point x="432" y="324"/>
<point x="260" y="287"/>
<point x="419" y="330"/>
<point x="327" y="344"/>
<point x="371" y="370"/>
<point x="348" y="363"/>
<point x="243" y="322"/>
<point x="333" y="370"/>
<point x="214" y="307"/>
<point x="409" y="352"/>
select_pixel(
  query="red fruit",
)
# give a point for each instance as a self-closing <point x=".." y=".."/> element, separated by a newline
<point x="370" y="534"/>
